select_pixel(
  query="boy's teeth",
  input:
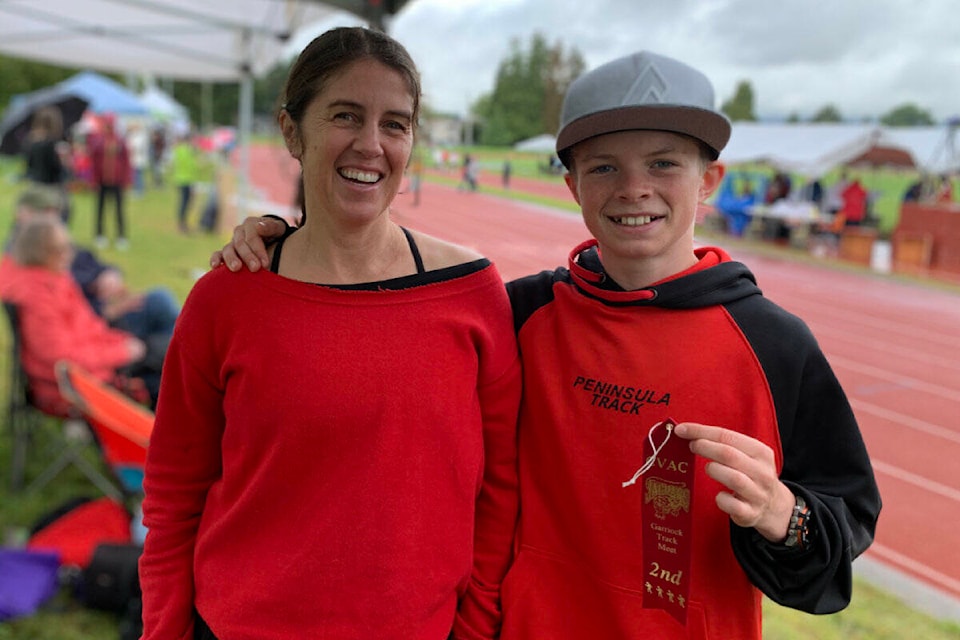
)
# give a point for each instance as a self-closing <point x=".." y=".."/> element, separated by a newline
<point x="634" y="221"/>
<point x="360" y="176"/>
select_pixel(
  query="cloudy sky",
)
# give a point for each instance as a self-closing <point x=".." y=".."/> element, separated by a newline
<point x="864" y="56"/>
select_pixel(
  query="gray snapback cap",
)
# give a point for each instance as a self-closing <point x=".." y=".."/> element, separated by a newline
<point x="641" y="91"/>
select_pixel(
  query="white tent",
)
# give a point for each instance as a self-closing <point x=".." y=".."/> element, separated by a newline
<point x="809" y="149"/>
<point x="222" y="40"/>
<point x="544" y="143"/>
<point x="936" y="149"/>
<point x="163" y="107"/>
<point x="813" y="149"/>
<point x="217" y="40"/>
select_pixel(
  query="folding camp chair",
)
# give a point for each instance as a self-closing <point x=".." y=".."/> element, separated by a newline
<point x="26" y="421"/>
<point x="121" y="425"/>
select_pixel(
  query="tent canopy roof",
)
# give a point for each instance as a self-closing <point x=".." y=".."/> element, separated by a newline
<point x="544" y="143"/>
<point x="182" y="39"/>
<point x="104" y="95"/>
<point x="815" y="149"/>
<point x="162" y="105"/>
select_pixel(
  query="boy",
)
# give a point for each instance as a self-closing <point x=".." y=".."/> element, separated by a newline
<point x="644" y="343"/>
<point x="642" y="329"/>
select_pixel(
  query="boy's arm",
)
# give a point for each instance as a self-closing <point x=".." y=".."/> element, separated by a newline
<point x="248" y="246"/>
<point x="824" y="461"/>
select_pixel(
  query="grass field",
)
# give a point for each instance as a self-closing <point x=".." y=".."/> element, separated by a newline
<point x="160" y="256"/>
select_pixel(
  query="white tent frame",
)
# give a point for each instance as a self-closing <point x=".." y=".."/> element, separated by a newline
<point x="198" y="40"/>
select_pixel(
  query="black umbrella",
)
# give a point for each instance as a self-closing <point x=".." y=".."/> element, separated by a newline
<point x="19" y="115"/>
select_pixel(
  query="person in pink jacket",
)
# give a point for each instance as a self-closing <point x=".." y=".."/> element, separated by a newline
<point x="56" y="321"/>
<point x="112" y="173"/>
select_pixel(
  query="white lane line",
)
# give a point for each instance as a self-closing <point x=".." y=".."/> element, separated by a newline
<point x="891" y="348"/>
<point x="917" y="567"/>
<point x="917" y="481"/>
<point x="823" y="314"/>
<point x="907" y="382"/>
<point x="904" y="420"/>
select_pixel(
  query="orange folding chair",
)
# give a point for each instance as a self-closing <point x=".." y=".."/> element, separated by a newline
<point x="121" y="425"/>
<point x="30" y="425"/>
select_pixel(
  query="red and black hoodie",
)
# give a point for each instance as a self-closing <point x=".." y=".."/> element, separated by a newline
<point x="601" y="366"/>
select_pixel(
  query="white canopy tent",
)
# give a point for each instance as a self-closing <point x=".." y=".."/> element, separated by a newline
<point x="544" y="143"/>
<point x="936" y="149"/>
<point x="815" y="149"/>
<point x="215" y="40"/>
<point x="163" y="107"/>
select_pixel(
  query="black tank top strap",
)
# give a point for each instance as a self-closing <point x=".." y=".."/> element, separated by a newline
<point x="277" y="250"/>
<point x="414" y="250"/>
<point x="278" y="247"/>
<point x="417" y="259"/>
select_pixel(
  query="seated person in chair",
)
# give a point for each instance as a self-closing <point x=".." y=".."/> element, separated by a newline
<point x="148" y="315"/>
<point x="56" y="322"/>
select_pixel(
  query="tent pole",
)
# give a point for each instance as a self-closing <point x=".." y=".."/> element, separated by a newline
<point x="245" y="119"/>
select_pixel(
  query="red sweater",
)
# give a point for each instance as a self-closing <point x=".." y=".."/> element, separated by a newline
<point x="58" y="323"/>
<point x="317" y="460"/>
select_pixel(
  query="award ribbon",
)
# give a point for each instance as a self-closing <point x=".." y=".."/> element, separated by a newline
<point x="667" y="512"/>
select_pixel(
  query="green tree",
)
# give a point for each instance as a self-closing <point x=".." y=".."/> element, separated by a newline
<point x="527" y="93"/>
<point x="23" y="76"/>
<point x="827" y="113"/>
<point x="562" y="69"/>
<point x="907" y="115"/>
<point x="266" y="90"/>
<point x="740" y="106"/>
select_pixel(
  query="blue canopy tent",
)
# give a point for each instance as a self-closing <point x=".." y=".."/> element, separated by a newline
<point x="104" y="95"/>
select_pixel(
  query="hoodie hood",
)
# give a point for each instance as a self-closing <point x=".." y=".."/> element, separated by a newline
<point x="715" y="280"/>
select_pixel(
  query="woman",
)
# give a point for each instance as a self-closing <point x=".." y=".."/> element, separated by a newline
<point x="328" y="486"/>
<point x="55" y="319"/>
<point x="47" y="154"/>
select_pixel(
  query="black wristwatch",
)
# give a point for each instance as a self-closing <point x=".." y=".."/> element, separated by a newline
<point x="800" y="532"/>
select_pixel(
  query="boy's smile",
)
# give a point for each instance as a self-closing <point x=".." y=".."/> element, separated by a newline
<point x="639" y="191"/>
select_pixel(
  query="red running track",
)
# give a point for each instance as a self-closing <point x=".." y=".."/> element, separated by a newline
<point x="894" y="346"/>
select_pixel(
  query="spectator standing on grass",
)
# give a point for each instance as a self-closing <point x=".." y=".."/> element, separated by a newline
<point x="110" y="166"/>
<point x="138" y="141"/>
<point x="158" y="150"/>
<point x="47" y="155"/>
<point x="185" y="174"/>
